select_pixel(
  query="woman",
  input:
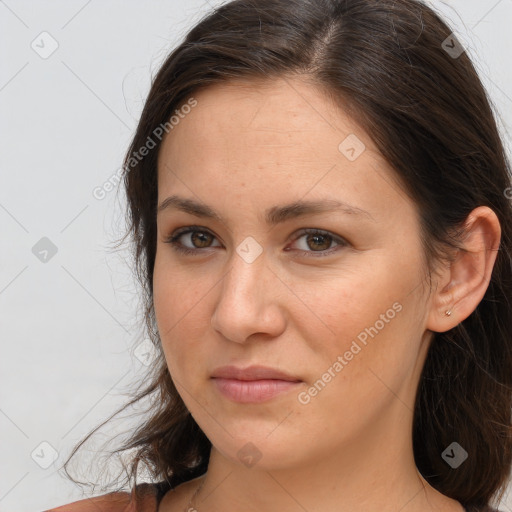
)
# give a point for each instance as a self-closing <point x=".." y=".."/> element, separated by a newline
<point x="318" y="197"/>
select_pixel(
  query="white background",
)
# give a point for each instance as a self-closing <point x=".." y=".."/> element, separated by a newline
<point x="69" y="326"/>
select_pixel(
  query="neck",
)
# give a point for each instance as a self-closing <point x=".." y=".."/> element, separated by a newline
<point x="373" y="472"/>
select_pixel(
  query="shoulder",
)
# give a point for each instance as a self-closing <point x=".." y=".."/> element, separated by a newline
<point x="116" y="502"/>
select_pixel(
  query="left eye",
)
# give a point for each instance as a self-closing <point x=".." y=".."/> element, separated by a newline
<point x="318" y="240"/>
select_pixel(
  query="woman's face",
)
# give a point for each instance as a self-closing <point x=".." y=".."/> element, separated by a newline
<point x="344" y="311"/>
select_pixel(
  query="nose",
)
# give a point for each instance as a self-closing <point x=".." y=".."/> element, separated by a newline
<point x="248" y="302"/>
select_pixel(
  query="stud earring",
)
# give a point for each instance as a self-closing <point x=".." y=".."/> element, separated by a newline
<point x="448" y="313"/>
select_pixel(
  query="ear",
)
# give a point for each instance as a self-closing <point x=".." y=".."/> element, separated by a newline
<point x="462" y="283"/>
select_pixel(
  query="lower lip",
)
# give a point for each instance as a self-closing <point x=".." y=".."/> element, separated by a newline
<point x="252" y="391"/>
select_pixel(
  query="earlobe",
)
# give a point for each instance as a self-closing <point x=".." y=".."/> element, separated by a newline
<point x="463" y="282"/>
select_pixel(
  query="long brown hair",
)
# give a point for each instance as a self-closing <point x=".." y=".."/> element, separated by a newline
<point x="389" y="63"/>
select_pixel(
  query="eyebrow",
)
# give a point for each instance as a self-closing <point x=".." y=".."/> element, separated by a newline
<point x="273" y="216"/>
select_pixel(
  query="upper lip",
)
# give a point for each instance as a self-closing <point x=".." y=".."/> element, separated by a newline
<point x="255" y="372"/>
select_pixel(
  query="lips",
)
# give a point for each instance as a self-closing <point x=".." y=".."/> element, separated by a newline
<point x="253" y="384"/>
<point x="253" y="373"/>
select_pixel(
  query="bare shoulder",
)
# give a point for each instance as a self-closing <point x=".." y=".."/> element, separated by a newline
<point x="121" y="501"/>
<point x="112" y="502"/>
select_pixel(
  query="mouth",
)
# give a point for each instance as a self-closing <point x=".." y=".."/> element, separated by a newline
<point x="253" y="384"/>
<point x="253" y="391"/>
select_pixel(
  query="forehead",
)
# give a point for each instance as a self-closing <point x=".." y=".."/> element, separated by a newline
<point x="282" y="117"/>
<point x="273" y="107"/>
<point x="270" y="137"/>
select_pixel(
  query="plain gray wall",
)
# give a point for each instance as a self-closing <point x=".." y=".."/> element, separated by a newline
<point x="69" y="324"/>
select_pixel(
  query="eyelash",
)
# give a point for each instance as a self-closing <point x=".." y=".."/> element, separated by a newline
<point x="177" y="246"/>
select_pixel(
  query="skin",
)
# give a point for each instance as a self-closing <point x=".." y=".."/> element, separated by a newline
<point x="249" y="146"/>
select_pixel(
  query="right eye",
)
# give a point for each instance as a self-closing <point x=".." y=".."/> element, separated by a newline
<point x="199" y="236"/>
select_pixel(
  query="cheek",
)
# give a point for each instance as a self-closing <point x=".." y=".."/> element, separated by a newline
<point x="178" y="302"/>
<point x="368" y="318"/>
<point x="362" y="352"/>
